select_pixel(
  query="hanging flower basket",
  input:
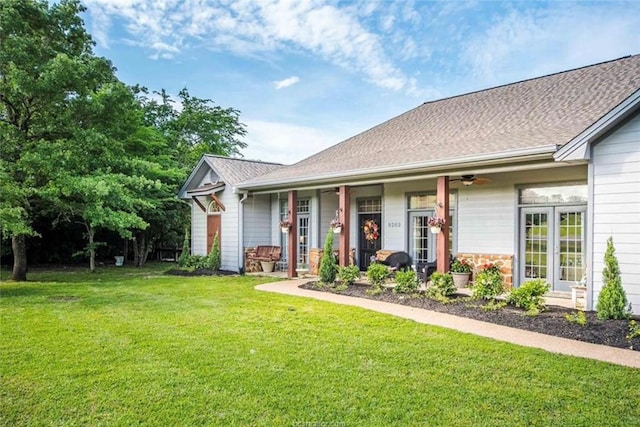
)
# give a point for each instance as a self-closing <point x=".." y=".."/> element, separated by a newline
<point x="336" y="226"/>
<point x="285" y="225"/>
<point x="337" y="230"/>
<point x="436" y="223"/>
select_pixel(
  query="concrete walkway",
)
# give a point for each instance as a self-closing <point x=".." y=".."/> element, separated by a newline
<point x="549" y="343"/>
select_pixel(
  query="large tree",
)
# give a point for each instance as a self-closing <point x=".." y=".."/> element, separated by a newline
<point x="46" y="63"/>
<point x="113" y="169"/>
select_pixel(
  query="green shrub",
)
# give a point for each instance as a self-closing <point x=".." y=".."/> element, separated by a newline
<point x="184" y="256"/>
<point x="578" y="318"/>
<point x="197" y="262"/>
<point x="494" y="305"/>
<point x="529" y="296"/>
<point x="406" y="282"/>
<point x="612" y="301"/>
<point x="488" y="283"/>
<point x="441" y="286"/>
<point x="377" y="274"/>
<point x="328" y="268"/>
<point x="348" y="274"/>
<point x="214" y="259"/>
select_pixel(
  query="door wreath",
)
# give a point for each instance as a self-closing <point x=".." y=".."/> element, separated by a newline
<point x="371" y="230"/>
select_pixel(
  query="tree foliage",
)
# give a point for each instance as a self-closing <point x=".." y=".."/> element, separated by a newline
<point x="193" y="126"/>
<point x="215" y="256"/>
<point x="612" y="301"/>
<point x="328" y="268"/>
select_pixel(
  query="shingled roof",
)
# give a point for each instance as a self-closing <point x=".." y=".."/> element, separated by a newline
<point x="233" y="171"/>
<point x="542" y="112"/>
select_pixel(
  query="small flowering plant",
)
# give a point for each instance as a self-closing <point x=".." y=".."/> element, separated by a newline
<point x="489" y="282"/>
<point x="491" y="268"/>
<point x="460" y="266"/>
<point x="436" y="221"/>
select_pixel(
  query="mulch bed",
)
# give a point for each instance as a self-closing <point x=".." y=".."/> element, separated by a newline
<point x="551" y="321"/>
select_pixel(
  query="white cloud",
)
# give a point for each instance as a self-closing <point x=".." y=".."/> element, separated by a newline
<point x="285" y="142"/>
<point x="248" y="27"/>
<point x="290" y="81"/>
<point x="531" y="43"/>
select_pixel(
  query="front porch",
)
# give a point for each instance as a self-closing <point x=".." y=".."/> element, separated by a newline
<point x="530" y="223"/>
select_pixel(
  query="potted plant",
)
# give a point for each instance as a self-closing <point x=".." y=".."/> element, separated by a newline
<point x="460" y="270"/>
<point x="285" y="225"/>
<point x="436" y="223"/>
<point x="336" y="226"/>
<point x="303" y="269"/>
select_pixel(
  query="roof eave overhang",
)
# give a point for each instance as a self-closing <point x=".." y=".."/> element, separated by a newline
<point x="210" y="189"/>
<point x="452" y="166"/>
<point x="578" y="148"/>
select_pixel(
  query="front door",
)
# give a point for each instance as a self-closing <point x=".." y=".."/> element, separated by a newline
<point x="370" y="237"/>
<point x="552" y="245"/>
<point x="213" y="226"/>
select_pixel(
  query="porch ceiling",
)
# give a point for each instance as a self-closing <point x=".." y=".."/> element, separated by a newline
<point x="373" y="178"/>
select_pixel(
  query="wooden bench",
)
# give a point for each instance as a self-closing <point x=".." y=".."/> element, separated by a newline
<point x="266" y="253"/>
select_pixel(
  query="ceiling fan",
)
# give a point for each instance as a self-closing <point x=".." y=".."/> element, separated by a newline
<point x="336" y="190"/>
<point x="468" y="180"/>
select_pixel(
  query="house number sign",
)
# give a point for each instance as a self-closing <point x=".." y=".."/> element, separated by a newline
<point x="394" y="225"/>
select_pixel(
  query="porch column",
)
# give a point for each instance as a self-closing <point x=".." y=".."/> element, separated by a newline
<point x="292" y="216"/>
<point x="442" y="210"/>
<point x="343" y="217"/>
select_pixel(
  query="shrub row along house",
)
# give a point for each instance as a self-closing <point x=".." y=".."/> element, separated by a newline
<point x="534" y="176"/>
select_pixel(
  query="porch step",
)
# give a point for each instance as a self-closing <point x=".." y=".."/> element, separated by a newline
<point x="558" y="294"/>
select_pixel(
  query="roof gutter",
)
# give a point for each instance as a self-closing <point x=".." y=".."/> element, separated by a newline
<point x="529" y="154"/>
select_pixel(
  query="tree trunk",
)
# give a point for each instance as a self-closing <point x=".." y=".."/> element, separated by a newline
<point x="141" y="248"/>
<point x="19" y="246"/>
<point x="92" y="250"/>
<point x="136" y="251"/>
<point x="125" y="250"/>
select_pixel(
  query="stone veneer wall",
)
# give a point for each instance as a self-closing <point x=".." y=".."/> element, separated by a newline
<point x="504" y="262"/>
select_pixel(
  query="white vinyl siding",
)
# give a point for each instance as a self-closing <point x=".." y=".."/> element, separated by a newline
<point x="486" y="218"/>
<point x="229" y="230"/>
<point x="198" y="227"/>
<point x="616" y="207"/>
<point x="257" y="221"/>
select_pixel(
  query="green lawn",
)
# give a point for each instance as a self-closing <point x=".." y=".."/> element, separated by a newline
<point x="131" y="347"/>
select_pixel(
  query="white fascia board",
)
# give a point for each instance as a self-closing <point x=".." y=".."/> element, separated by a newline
<point x="578" y="147"/>
<point x="182" y="194"/>
<point x="528" y="154"/>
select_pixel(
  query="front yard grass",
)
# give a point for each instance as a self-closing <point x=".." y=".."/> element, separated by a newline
<point x="127" y="346"/>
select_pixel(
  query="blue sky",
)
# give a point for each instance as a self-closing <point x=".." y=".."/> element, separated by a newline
<point x="308" y="74"/>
